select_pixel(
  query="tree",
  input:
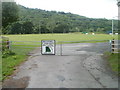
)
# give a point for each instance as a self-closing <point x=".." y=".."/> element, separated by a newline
<point x="9" y="13"/>
<point x="16" y="28"/>
<point x="36" y="30"/>
<point x="91" y="30"/>
<point x="61" y="29"/>
<point x="44" y="29"/>
<point x="27" y="27"/>
<point x="51" y="21"/>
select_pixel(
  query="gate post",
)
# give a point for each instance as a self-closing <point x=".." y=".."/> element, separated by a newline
<point x="8" y="44"/>
<point x="61" y="48"/>
<point x="113" y="46"/>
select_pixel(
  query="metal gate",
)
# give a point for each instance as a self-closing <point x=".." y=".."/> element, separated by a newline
<point x="63" y="47"/>
<point x="27" y="47"/>
<point x="83" y="47"/>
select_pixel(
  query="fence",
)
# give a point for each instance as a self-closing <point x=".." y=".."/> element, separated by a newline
<point x="25" y="47"/>
<point x="4" y="43"/>
<point x="25" y="44"/>
<point x="115" y="46"/>
<point x="67" y="47"/>
<point x="83" y="47"/>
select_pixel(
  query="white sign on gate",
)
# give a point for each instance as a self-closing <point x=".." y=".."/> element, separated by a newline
<point x="48" y="47"/>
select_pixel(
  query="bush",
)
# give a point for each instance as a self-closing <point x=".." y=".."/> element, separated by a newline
<point x="5" y="48"/>
<point x="7" y="53"/>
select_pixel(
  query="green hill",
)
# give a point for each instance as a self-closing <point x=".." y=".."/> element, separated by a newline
<point x="41" y="21"/>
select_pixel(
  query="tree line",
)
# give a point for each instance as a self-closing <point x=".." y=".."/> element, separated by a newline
<point x="17" y="19"/>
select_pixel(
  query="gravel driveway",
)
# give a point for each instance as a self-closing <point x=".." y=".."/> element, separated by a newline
<point x="80" y="66"/>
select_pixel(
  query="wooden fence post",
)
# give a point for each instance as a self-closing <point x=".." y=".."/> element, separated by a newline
<point x="8" y="44"/>
<point x="113" y="45"/>
<point x="5" y="43"/>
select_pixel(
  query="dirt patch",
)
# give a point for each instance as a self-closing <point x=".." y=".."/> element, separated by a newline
<point x="16" y="83"/>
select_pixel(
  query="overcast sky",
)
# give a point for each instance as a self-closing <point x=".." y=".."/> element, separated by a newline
<point x="89" y="8"/>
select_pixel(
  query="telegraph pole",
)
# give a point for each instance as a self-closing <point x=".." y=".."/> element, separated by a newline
<point x="39" y="28"/>
<point x="112" y="27"/>
<point x="118" y="3"/>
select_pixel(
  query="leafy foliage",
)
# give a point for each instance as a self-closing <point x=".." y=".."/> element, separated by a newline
<point x="41" y="21"/>
<point x="5" y="48"/>
<point x="56" y="21"/>
<point x="9" y="13"/>
<point x="20" y="28"/>
<point x="7" y="53"/>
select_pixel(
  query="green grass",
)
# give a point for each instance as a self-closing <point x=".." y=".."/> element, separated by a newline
<point x="9" y="63"/>
<point x="60" y="37"/>
<point x="75" y="37"/>
<point x="113" y="61"/>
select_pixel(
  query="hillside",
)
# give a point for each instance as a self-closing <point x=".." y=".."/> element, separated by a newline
<point x="41" y="21"/>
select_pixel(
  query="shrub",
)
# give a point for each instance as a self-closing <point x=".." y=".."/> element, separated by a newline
<point x="5" y="48"/>
<point x="7" y="53"/>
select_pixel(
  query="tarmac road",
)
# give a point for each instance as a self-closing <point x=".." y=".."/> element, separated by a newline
<point x="80" y="66"/>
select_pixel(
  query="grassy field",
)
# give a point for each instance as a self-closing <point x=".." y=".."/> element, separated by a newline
<point x="60" y="37"/>
<point x="10" y="62"/>
<point x="74" y="37"/>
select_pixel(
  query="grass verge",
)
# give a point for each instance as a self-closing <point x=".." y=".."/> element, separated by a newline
<point x="9" y="63"/>
<point x="113" y="60"/>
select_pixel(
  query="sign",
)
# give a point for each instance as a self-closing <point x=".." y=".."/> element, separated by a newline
<point x="48" y="47"/>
